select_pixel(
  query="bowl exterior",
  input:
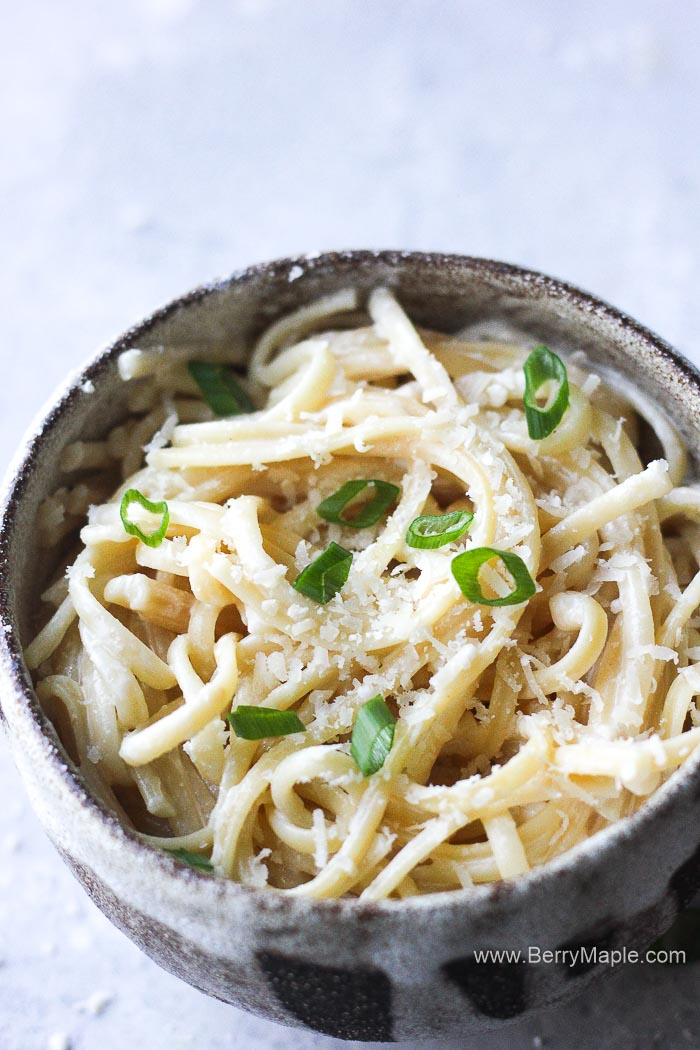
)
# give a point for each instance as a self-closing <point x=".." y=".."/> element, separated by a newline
<point x="370" y="971"/>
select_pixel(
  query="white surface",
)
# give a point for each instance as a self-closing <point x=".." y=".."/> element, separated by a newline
<point x="152" y="144"/>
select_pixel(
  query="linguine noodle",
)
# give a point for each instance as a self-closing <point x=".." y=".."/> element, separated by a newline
<point x="519" y="729"/>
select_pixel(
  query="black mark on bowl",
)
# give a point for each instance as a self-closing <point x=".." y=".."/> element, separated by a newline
<point x="584" y="949"/>
<point x="346" y="1004"/>
<point x="496" y="989"/>
<point x="685" y="880"/>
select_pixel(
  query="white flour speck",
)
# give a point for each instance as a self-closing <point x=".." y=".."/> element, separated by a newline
<point x="58" y="1041"/>
<point x="95" y="1004"/>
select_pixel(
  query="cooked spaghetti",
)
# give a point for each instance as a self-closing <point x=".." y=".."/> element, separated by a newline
<point x="421" y="619"/>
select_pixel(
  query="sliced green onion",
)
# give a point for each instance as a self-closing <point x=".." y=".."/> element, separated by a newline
<point x="151" y="539"/>
<point x="435" y="530"/>
<point x="220" y="390"/>
<point x="195" y="860"/>
<point x="465" y="569"/>
<point x="372" y="736"/>
<point x="541" y="366"/>
<point x="256" y="723"/>
<point x="325" y="576"/>
<point x="384" y="495"/>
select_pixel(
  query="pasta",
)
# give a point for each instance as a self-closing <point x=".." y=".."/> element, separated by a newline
<point x="294" y="685"/>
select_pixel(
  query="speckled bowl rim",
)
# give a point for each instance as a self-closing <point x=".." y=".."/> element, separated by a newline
<point x="591" y="852"/>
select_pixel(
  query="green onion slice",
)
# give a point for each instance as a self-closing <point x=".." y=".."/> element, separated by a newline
<point x="325" y="576"/>
<point x="220" y="390"/>
<point x="384" y="495"/>
<point x="372" y="735"/>
<point x="435" y="530"/>
<point x="195" y="860"/>
<point x="151" y="539"/>
<point x="541" y="366"/>
<point x="465" y="569"/>
<point x="256" y="723"/>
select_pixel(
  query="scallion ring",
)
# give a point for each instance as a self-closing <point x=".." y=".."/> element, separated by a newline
<point x="435" y="530"/>
<point x="325" y="576"/>
<point x="257" y="723"/>
<point x="151" y="539"/>
<point x="194" y="860"/>
<point x="542" y="366"/>
<point x="224" y="395"/>
<point x="372" y="736"/>
<point x="465" y="569"/>
<point x="385" y="494"/>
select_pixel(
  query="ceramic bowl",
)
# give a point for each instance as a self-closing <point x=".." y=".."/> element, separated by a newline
<point x="375" y="971"/>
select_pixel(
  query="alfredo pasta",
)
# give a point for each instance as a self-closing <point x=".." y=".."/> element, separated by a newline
<point x="396" y="613"/>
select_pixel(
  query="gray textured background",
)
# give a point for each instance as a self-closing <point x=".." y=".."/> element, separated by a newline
<point x="148" y="145"/>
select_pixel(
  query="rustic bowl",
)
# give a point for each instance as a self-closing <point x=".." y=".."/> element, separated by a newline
<point x="375" y="971"/>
